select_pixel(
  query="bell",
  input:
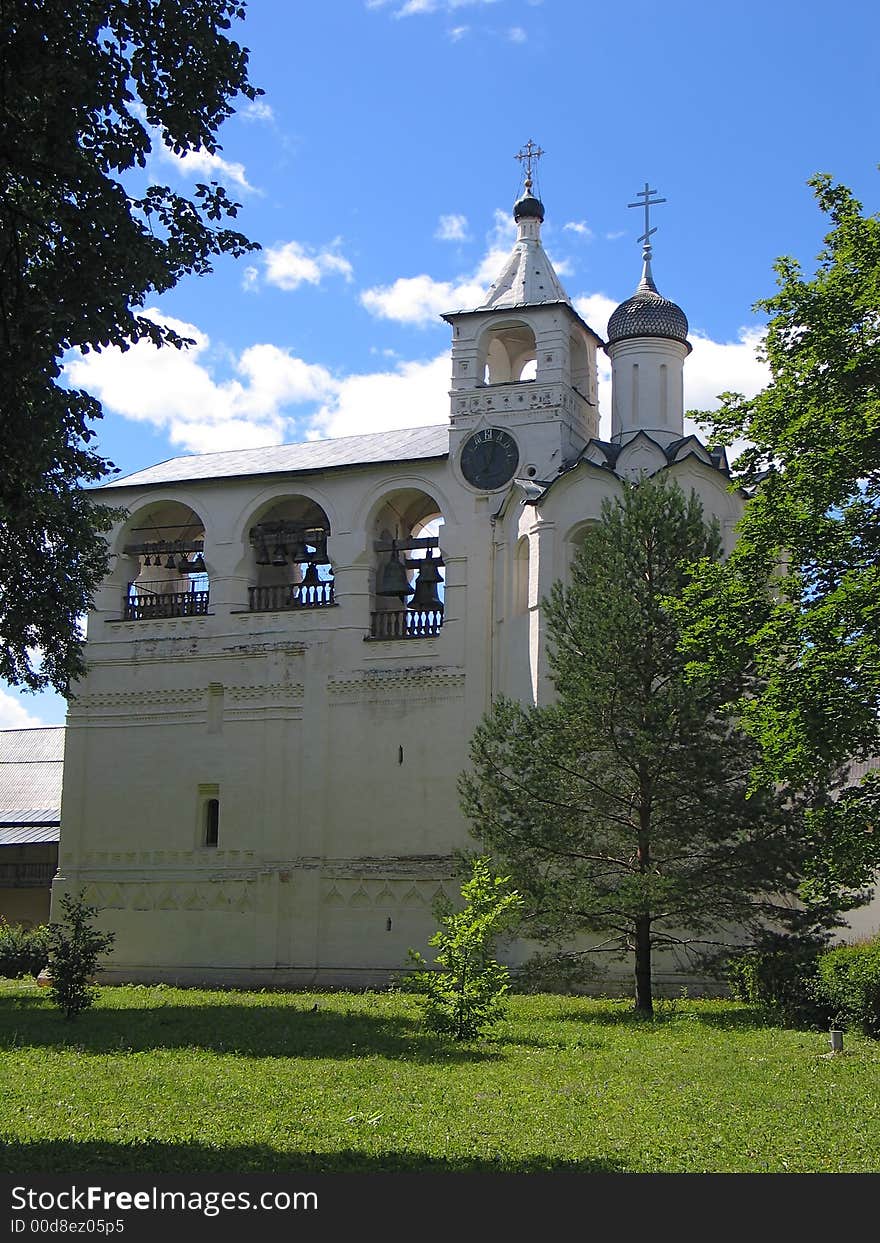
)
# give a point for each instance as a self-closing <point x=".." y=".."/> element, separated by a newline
<point x="428" y="572"/>
<point x="262" y="554"/>
<point x="197" y="566"/>
<point x="183" y="566"/>
<point x="320" y="554"/>
<point x="392" y="579"/>
<point x="310" y="578"/>
<point x="170" y="563"/>
<point x="425" y="595"/>
<point x="278" y="557"/>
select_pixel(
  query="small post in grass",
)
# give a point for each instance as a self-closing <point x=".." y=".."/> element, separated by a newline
<point x="836" y="1040"/>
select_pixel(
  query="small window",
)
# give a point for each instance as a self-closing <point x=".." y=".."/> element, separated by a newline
<point x="212" y="821"/>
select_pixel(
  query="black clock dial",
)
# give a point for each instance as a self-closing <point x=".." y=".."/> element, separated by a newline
<point x="489" y="458"/>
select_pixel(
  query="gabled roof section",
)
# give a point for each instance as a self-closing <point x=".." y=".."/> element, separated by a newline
<point x="31" y="767"/>
<point x="375" y="448"/>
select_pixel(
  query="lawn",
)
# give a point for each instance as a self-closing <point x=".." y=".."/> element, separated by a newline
<point x="157" y="1079"/>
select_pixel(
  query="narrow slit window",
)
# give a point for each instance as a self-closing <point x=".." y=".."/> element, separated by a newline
<point x="212" y="821"/>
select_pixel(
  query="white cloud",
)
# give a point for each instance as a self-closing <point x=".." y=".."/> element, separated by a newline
<point x="413" y="394"/>
<point x="717" y="367"/>
<point x="516" y="34"/>
<point x="596" y="309"/>
<point x="257" y="110"/>
<point x="420" y="8"/>
<point x="249" y="279"/>
<point x="420" y="300"/>
<point x="581" y="228"/>
<point x="205" y="164"/>
<point x="457" y="33"/>
<point x="291" y="264"/>
<point x="452" y="228"/>
<point x="14" y="715"/>
<point x="175" y="390"/>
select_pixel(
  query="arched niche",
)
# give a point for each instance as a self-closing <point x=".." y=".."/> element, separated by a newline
<point x="163" y="563"/>
<point x="508" y="353"/>
<point x="290" y="566"/>
<point x="407" y="589"/>
<point x="573" y="542"/>
<point x="521" y="576"/>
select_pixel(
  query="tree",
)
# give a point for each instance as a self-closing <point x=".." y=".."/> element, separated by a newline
<point x="624" y="807"/>
<point x="797" y="602"/>
<point x="86" y="89"/>
<point x="74" y="949"/>
<point x="465" y="997"/>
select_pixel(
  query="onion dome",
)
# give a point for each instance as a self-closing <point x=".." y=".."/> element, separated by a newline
<point x="528" y="208"/>
<point x="648" y="314"/>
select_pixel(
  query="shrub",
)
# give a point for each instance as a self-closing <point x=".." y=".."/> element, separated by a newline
<point x="74" y="946"/>
<point x="23" y="951"/>
<point x="465" y="996"/>
<point x="849" y="984"/>
<point x="778" y="977"/>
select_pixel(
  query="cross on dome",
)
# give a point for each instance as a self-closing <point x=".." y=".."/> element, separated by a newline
<point x="647" y="204"/>
<point x="528" y="153"/>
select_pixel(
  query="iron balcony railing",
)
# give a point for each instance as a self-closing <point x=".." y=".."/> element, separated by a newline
<point x="290" y="596"/>
<point x="405" y="624"/>
<point x="147" y="601"/>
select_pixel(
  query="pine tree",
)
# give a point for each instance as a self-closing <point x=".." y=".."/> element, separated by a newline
<point x="624" y="808"/>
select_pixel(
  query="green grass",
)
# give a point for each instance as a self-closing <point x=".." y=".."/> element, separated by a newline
<point x="182" y="1081"/>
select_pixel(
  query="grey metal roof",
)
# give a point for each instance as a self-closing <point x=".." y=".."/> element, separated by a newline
<point x="29" y="836"/>
<point x="28" y="816"/>
<point x="31" y="767"/>
<point x="403" y="445"/>
<point x="648" y="314"/>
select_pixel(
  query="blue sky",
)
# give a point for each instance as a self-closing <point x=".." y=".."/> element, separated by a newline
<point x="378" y="174"/>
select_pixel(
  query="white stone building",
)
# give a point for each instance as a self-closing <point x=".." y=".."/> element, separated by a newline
<point x="260" y="776"/>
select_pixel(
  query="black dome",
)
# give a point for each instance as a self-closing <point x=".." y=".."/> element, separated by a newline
<point x="528" y="207"/>
<point x="648" y="314"/>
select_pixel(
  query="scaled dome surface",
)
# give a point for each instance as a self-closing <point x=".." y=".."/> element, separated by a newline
<point x="648" y="314"/>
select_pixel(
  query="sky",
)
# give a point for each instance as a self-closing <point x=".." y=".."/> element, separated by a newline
<point x="378" y="173"/>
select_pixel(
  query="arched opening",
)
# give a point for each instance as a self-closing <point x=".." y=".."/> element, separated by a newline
<point x="408" y="589"/>
<point x="509" y="355"/>
<point x="168" y="542"/>
<point x="580" y="366"/>
<point x="291" y="568"/>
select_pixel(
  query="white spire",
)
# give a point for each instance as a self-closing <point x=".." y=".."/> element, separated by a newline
<point x="527" y="278"/>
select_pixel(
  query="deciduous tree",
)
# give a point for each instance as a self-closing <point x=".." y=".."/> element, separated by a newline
<point x="799" y="599"/>
<point x="87" y="89"/>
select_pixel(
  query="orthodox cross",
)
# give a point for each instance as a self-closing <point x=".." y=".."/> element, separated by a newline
<point x="529" y="152"/>
<point x="647" y="203"/>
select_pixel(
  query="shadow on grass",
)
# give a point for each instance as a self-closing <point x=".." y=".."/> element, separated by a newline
<point x="250" y="1031"/>
<point x="703" y="1014"/>
<point x="153" y="1157"/>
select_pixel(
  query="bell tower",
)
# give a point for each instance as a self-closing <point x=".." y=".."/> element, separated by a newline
<point x="523" y="363"/>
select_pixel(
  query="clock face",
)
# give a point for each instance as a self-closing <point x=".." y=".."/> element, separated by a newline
<point x="489" y="458"/>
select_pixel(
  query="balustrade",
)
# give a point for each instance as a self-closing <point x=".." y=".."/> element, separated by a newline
<point x="406" y="624"/>
<point x="148" y="601"/>
<point x="290" y="596"/>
